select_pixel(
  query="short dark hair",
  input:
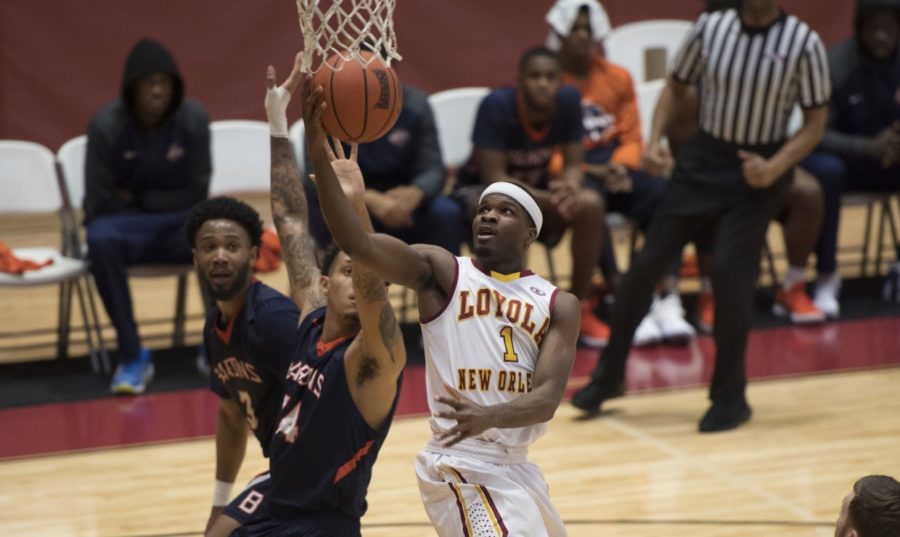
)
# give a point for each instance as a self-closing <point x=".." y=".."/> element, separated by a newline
<point x="224" y="208"/>
<point x="535" y="52"/>
<point x="874" y="510"/>
<point x="328" y="259"/>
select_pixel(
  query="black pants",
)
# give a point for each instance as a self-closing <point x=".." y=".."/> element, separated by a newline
<point x="707" y="192"/>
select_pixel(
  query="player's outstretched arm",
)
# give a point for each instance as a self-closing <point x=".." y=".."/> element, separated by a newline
<point x="555" y="359"/>
<point x="394" y="260"/>
<point x="289" y="208"/>
<point x="377" y="356"/>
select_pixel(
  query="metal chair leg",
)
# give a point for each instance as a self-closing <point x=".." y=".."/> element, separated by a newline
<point x="180" y="312"/>
<point x="101" y="343"/>
<point x="550" y="265"/>
<point x="89" y="337"/>
<point x="64" y="321"/>
<point x="866" y="236"/>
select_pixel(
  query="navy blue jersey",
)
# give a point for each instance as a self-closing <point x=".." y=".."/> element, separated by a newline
<point x="323" y="449"/>
<point x="249" y="356"/>
<point x="499" y="126"/>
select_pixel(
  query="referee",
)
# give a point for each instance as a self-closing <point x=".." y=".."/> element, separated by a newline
<point x="751" y="66"/>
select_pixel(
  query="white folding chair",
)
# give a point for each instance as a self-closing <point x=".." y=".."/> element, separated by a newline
<point x="30" y="184"/>
<point x="71" y="158"/>
<point x="646" y="48"/>
<point x="240" y="157"/>
<point x="454" y="117"/>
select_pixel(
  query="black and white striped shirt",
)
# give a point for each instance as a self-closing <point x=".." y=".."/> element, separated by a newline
<point x="750" y="78"/>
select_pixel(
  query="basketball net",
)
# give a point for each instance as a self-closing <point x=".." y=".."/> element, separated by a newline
<point x="345" y="27"/>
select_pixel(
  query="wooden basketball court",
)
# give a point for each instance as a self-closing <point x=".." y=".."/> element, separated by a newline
<point x="641" y="469"/>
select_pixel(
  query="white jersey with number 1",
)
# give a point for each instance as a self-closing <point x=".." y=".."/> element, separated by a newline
<point x="485" y="343"/>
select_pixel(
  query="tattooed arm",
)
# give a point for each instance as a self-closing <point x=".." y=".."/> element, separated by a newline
<point x="376" y="357"/>
<point x="289" y="208"/>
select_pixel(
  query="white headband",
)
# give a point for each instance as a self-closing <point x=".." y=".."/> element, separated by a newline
<point x="521" y="196"/>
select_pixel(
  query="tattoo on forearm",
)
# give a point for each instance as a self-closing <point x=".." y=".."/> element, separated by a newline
<point x="291" y="214"/>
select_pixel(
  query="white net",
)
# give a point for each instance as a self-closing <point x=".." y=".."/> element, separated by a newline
<point x="346" y="27"/>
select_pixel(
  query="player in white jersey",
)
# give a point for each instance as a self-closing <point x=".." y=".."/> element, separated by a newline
<point x="499" y="344"/>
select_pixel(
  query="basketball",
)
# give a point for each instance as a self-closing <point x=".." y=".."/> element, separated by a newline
<point x="364" y="102"/>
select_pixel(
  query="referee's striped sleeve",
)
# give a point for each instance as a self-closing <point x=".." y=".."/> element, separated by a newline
<point x="688" y="63"/>
<point x="815" y="80"/>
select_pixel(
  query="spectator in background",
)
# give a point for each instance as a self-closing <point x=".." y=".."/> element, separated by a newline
<point x="148" y="162"/>
<point x="613" y="145"/>
<point x="871" y="509"/>
<point x="861" y="148"/>
<point x="405" y="179"/>
<point x="731" y="178"/>
<point x="516" y="132"/>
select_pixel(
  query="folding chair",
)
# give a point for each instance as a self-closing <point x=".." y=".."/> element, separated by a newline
<point x="71" y="157"/>
<point x="240" y="156"/>
<point x="646" y="48"/>
<point x="30" y="184"/>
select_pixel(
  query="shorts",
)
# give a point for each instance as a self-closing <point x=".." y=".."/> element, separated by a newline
<point x="467" y="496"/>
<point x="250" y="501"/>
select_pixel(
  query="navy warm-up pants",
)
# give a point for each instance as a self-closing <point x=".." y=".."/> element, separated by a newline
<point x="116" y="242"/>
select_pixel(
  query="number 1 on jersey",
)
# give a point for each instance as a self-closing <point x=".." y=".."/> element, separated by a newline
<point x="510" y="353"/>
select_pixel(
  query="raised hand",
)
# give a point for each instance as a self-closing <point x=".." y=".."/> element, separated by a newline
<point x="278" y="97"/>
<point x="345" y="168"/>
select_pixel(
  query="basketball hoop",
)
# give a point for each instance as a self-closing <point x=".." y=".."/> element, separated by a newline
<point x="345" y="28"/>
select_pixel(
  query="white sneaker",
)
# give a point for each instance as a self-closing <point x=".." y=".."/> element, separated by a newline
<point x="647" y="332"/>
<point x="826" y="295"/>
<point x="669" y="317"/>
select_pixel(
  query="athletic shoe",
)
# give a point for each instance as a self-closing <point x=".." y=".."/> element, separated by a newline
<point x="132" y="378"/>
<point x="706" y="312"/>
<point x="648" y="332"/>
<point x="826" y="297"/>
<point x="594" y="332"/>
<point x="669" y="316"/>
<point x="796" y="305"/>
<point x="595" y="393"/>
<point x="722" y="417"/>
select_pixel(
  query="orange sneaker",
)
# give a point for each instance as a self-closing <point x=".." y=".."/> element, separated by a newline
<point x="706" y="312"/>
<point x="796" y="305"/>
<point x="594" y="332"/>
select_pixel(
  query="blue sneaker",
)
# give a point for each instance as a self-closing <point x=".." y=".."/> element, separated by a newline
<point x="131" y="378"/>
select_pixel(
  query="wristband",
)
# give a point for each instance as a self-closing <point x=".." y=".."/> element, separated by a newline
<point x="221" y="493"/>
<point x="276" y="104"/>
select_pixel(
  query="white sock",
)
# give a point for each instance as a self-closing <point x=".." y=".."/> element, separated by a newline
<point x="794" y="276"/>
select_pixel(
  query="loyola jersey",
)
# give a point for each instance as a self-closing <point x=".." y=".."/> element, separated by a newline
<point x="485" y="343"/>
<point x="249" y="357"/>
<point x="323" y="450"/>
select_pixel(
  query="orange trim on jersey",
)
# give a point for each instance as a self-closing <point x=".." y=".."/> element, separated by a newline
<point x="323" y="347"/>
<point x="351" y="465"/>
<point x="225" y="335"/>
<point x="536" y="135"/>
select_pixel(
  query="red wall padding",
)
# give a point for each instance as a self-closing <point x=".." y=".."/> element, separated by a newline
<point x="61" y="60"/>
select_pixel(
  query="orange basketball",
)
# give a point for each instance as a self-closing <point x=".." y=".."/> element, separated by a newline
<point x="363" y="102"/>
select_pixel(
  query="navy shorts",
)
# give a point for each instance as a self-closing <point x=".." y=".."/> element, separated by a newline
<point x="251" y="501"/>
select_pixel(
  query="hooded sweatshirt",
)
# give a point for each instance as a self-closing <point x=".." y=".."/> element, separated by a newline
<point x="865" y="93"/>
<point x="132" y="168"/>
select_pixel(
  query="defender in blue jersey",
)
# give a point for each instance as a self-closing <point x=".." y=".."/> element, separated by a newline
<point x="516" y="132"/>
<point x="341" y="387"/>
<point x="250" y="337"/>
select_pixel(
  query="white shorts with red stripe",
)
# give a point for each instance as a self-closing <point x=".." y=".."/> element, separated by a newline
<point x="465" y="495"/>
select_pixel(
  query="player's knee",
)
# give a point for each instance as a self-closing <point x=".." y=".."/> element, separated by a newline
<point x="806" y="192"/>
